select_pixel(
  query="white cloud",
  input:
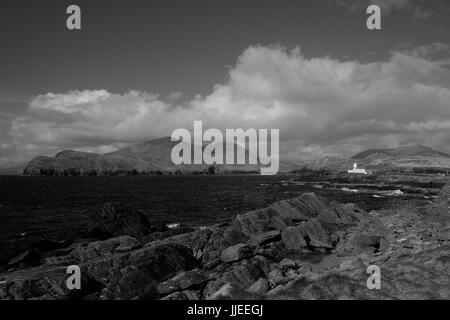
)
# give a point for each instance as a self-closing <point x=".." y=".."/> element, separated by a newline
<point x="321" y="105"/>
<point x="174" y="96"/>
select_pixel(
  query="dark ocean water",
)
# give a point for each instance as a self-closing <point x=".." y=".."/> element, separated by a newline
<point x="33" y="208"/>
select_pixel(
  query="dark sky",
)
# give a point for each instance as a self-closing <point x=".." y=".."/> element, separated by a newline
<point x="187" y="46"/>
<point x="173" y="45"/>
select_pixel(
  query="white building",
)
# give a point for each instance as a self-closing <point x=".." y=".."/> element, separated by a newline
<point x="356" y="170"/>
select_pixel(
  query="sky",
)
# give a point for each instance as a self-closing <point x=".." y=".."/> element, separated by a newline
<point x="139" y="69"/>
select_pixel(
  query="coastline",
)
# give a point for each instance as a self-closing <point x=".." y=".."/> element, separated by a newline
<point x="248" y="258"/>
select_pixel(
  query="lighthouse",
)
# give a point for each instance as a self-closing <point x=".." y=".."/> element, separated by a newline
<point x="357" y="170"/>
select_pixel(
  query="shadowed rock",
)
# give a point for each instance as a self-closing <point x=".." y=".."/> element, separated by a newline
<point x="124" y="275"/>
<point x="113" y="220"/>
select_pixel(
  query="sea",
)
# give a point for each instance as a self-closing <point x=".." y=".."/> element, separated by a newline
<point x="36" y="208"/>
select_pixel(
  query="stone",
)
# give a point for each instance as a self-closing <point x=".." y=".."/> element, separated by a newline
<point x="260" y="287"/>
<point x="304" y="207"/>
<point x="196" y="241"/>
<point x="274" y="251"/>
<point x="315" y="234"/>
<point x="112" y="220"/>
<point x="287" y="264"/>
<point x="264" y="238"/>
<point x="245" y="273"/>
<point x="183" y="280"/>
<point x="258" y="221"/>
<point x="293" y="238"/>
<point x="276" y="277"/>
<point x="231" y="291"/>
<point x="104" y="248"/>
<point x="347" y="213"/>
<point x="236" y="253"/>
<point x="220" y="239"/>
<point x="184" y="295"/>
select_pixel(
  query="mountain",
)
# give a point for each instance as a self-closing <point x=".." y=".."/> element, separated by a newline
<point x="414" y="158"/>
<point x="151" y="157"/>
<point x="415" y="150"/>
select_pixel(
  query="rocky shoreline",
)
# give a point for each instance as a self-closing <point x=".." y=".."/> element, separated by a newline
<point x="303" y="248"/>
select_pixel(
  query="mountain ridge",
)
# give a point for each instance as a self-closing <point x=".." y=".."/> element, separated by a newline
<point x="402" y="151"/>
<point x="149" y="157"/>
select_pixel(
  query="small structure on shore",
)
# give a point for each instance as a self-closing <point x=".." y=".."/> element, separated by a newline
<point x="357" y="170"/>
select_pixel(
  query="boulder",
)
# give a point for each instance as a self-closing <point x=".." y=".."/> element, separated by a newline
<point x="315" y="234"/>
<point x="196" y="241"/>
<point x="276" y="277"/>
<point x="258" y="221"/>
<point x="324" y="226"/>
<point x="264" y="238"/>
<point x="232" y="291"/>
<point x="260" y="287"/>
<point x="113" y="220"/>
<point x="220" y="239"/>
<point x="293" y="238"/>
<point x="304" y="207"/>
<point x="236" y="253"/>
<point x="182" y="281"/>
<point x="287" y="264"/>
<point x="274" y="251"/>
<point x="245" y="273"/>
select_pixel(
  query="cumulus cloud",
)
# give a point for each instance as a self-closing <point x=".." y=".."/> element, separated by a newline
<point x="92" y="120"/>
<point x="321" y="106"/>
<point x="325" y="102"/>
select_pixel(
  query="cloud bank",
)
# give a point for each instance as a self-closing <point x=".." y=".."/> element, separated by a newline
<point x="321" y="105"/>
